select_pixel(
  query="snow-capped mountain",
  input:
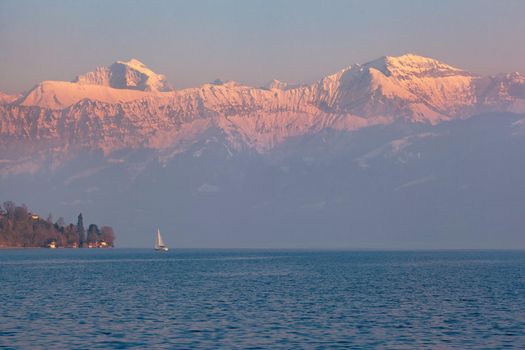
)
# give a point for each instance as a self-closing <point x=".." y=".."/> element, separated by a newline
<point x="403" y="152"/>
<point x="132" y="75"/>
<point x="128" y="106"/>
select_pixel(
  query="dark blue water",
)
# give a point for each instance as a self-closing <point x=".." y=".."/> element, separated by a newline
<point x="88" y="299"/>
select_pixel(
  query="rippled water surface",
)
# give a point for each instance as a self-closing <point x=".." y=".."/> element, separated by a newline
<point x="88" y="299"/>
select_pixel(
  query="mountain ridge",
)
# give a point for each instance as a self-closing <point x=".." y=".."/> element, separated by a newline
<point x="128" y="106"/>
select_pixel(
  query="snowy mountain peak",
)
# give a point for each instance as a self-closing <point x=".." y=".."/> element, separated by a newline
<point x="6" y="98"/>
<point x="279" y="85"/>
<point x="415" y="66"/>
<point x="132" y="75"/>
<point x="136" y="64"/>
<point x="123" y="106"/>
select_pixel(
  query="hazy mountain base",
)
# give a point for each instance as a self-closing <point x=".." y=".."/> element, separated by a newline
<point x="458" y="184"/>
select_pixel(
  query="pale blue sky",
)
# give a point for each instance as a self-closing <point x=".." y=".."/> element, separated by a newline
<point x="193" y="42"/>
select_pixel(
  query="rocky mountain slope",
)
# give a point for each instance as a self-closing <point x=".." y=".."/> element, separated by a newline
<point x="128" y="106"/>
<point x="401" y="152"/>
<point x="457" y="184"/>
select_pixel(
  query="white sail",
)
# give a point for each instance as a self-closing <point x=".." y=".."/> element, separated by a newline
<point x="159" y="243"/>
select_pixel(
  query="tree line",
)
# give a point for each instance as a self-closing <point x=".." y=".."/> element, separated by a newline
<point x="21" y="228"/>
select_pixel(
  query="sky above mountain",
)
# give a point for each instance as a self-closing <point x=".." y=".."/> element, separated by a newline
<point x="193" y="42"/>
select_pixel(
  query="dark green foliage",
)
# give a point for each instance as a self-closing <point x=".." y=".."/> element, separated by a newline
<point x="93" y="234"/>
<point x="80" y="230"/>
<point x="20" y="228"/>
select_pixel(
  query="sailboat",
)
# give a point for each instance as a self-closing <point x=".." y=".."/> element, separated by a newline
<point x="159" y="243"/>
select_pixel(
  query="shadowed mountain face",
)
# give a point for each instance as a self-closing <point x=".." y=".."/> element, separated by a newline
<point x="401" y="152"/>
<point x="403" y="185"/>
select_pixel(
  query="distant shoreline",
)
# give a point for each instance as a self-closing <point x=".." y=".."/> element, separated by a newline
<point x="8" y="248"/>
<point x="69" y="248"/>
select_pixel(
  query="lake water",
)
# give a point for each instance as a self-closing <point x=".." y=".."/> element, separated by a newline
<point x="261" y="299"/>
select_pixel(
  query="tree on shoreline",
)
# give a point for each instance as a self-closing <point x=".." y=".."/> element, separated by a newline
<point x="21" y="228"/>
<point x="93" y="234"/>
<point x="81" y="231"/>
